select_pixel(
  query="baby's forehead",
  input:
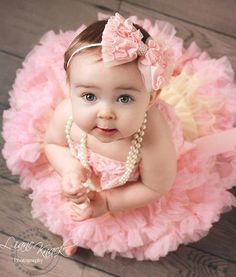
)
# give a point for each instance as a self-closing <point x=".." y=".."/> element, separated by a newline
<point x="90" y="64"/>
<point x="92" y="55"/>
<point x="90" y="58"/>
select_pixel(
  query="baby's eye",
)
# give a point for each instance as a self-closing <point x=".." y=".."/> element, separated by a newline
<point x="125" y="99"/>
<point x="90" y="97"/>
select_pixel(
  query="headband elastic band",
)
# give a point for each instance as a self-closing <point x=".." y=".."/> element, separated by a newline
<point x="82" y="48"/>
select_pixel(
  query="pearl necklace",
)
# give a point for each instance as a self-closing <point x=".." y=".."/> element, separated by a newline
<point x="132" y="156"/>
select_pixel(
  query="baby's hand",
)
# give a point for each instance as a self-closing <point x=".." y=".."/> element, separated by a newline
<point x="91" y="209"/>
<point x="72" y="186"/>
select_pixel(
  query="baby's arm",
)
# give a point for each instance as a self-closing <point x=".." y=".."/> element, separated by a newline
<point x="55" y="142"/>
<point x="58" y="154"/>
<point x="157" y="171"/>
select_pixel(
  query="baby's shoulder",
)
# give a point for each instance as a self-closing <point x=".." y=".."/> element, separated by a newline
<point x="158" y="160"/>
<point x="157" y="127"/>
<point x="55" y="132"/>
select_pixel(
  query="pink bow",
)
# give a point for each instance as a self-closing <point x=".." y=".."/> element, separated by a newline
<point x="122" y="43"/>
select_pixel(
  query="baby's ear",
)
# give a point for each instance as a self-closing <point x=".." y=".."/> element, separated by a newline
<point x="153" y="97"/>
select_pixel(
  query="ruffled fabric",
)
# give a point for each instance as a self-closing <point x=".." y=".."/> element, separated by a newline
<point x="122" y="43"/>
<point x="203" y="94"/>
<point x="39" y="87"/>
<point x="114" y="170"/>
<point x="120" y="40"/>
<point x="199" y="106"/>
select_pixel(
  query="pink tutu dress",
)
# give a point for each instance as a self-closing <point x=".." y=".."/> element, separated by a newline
<point x="199" y="105"/>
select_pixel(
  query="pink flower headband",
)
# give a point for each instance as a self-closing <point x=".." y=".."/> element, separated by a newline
<point x="122" y="43"/>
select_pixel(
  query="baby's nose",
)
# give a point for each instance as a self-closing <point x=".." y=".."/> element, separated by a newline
<point x="106" y="114"/>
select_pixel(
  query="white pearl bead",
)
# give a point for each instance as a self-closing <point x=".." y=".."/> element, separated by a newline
<point x="130" y="165"/>
<point x="144" y="127"/>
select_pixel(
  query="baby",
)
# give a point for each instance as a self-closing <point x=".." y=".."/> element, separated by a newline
<point x="115" y="73"/>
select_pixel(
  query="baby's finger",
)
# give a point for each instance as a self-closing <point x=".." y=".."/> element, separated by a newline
<point x="79" y="200"/>
<point x="78" y="193"/>
<point x="68" y="195"/>
<point x="75" y="195"/>
<point x="81" y="191"/>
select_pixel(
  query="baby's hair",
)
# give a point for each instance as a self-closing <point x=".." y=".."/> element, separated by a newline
<point x="92" y="34"/>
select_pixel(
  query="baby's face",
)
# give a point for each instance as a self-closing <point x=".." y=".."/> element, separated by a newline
<point x="107" y="102"/>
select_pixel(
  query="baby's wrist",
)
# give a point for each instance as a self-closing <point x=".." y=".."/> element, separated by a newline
<point x="72" y="168"/>
<point x="69" y="171"/>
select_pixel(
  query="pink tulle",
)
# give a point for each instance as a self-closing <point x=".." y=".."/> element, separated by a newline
<point x="200" y="191"/>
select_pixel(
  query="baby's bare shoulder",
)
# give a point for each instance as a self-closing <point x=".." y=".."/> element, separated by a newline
<point x="157" y="128"/>
<point x="55" y="132"/>
<point x="158" y="161"/>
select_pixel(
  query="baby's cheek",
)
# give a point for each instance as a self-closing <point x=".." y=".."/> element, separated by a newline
<point x="129" y="128"/>
<point x="82" y="125"/>
<point x="84" y="121"/>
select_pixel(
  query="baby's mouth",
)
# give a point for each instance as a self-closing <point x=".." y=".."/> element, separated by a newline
<point x="106" y="131"/>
